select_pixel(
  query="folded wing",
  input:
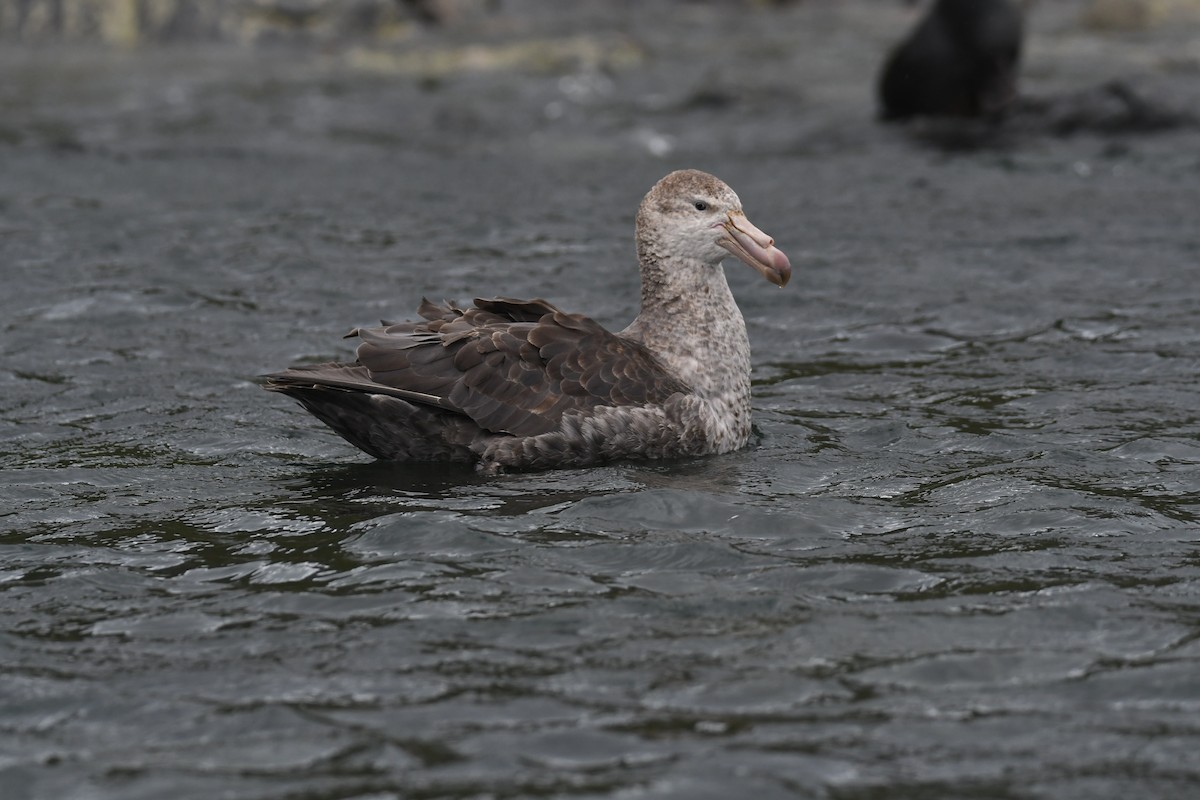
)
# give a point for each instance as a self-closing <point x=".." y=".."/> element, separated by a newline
<point x="512" y="366"/>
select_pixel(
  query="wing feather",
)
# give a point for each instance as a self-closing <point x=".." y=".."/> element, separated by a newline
<point x="512" y="366"/>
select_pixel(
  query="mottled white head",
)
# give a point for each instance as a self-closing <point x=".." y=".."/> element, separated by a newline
<point x="691" y="215"/>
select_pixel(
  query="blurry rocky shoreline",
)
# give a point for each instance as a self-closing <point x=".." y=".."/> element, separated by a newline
<point x="797" y="76"/>
<point x="133" y="22"/>
<point x="140" y="22"/>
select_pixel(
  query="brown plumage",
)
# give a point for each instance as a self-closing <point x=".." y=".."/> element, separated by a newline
<point x="522" y="384"/>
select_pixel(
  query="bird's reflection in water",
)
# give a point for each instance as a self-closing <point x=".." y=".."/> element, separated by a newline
<point x="347" y="495"/>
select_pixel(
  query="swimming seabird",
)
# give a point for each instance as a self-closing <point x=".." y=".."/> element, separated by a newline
<point x="522" y="384"/>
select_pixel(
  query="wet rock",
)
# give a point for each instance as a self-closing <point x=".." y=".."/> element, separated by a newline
<point x="1115" y="107"/>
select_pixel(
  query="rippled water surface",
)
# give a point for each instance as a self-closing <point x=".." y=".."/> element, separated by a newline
<point x="959" y="560"/>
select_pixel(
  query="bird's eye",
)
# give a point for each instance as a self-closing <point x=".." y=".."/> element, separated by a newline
<point x="701" y="205"/>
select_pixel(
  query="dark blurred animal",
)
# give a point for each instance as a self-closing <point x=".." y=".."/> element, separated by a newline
<point x="960" y="61"/>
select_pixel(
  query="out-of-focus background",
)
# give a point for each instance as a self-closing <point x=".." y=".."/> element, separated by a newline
<point x="958" y="560"/>
<point x="129" y="22"/>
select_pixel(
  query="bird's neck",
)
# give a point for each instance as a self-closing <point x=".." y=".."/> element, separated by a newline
<point x="690" y="321"/>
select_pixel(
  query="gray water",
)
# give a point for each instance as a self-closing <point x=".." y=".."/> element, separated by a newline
<point x="959" y="559"/>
